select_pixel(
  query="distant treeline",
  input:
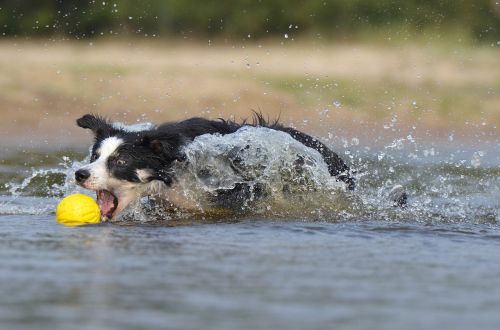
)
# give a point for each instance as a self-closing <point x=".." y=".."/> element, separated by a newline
<point x="243" y="18"/>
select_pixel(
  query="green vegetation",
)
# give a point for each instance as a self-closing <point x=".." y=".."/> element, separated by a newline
<point x="477" y="19"/>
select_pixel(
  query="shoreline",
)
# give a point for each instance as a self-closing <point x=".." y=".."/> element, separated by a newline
<point x="348" y="90"/>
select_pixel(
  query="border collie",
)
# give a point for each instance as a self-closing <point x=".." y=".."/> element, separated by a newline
<point x="124" y="163"/>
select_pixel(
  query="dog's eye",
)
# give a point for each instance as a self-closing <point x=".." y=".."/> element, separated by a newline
<point x="120" y="162"/>
<point x="93" y="158"/>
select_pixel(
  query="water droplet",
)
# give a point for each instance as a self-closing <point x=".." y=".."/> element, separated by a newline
<point x="429" y="152"/>
<point x="286" y="35"/>
<point x="476" y="160"/>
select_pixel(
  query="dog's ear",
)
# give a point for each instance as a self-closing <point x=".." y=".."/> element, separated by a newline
<point x="98" y="125"/>
<point x="157" y="147"/>
<point x="167" y="147"/>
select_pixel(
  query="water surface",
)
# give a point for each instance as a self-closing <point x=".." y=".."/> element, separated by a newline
<point x="435" y="264"/>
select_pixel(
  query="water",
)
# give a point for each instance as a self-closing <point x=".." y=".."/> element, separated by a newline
<point x="275" y="173"/>
<point x="357" y="264"/>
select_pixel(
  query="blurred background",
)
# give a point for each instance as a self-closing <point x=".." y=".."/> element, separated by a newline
<point x="405" y="91"/>
<point x="369" y="70"/>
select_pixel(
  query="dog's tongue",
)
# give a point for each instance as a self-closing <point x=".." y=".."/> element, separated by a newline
<point x="107" y="203"/>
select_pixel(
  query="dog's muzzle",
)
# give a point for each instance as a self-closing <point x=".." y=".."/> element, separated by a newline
<point x="81" y="175"/>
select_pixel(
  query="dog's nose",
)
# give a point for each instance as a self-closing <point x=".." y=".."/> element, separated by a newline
<point x="81" y="175"/>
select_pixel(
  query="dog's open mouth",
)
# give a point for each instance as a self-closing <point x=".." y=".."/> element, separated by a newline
<point x="107" y="203"/>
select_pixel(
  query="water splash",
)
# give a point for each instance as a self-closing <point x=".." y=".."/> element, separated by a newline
<point x="443" y="186"/>
<point x="52" y="182"/>
<point x="270" y="167"/>
<point x="47" y="184"/>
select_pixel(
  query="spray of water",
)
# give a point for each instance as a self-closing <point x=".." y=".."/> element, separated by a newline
<point x="38" y="192"/>
<point x="284" y="179"/>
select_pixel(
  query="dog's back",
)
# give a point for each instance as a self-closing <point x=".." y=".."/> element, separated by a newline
<point x="194" y="127"/>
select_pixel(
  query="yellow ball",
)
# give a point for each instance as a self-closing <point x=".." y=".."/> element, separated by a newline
<point x="78" y="210"/>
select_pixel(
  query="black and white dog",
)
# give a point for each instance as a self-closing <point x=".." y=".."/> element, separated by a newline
<point x="124" y="164"/>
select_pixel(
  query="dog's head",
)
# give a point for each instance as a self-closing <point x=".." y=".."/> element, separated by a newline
<point x="122" y="163"/>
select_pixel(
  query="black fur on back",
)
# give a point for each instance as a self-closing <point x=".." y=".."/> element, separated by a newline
<point x="158" y="148"/>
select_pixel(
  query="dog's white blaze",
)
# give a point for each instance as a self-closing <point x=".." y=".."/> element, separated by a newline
<point x="108" y="146"/>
